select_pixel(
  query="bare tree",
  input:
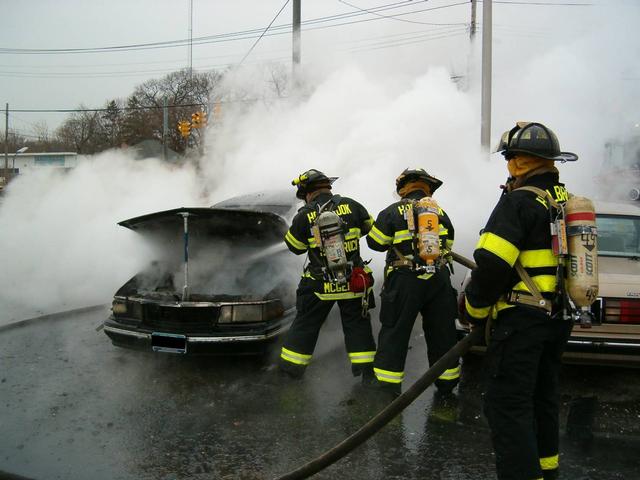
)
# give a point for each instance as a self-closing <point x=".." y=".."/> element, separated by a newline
<point x="81" y="131"/>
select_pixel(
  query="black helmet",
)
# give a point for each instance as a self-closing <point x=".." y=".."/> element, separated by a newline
<point x="311" y="180"/>
<point x="534" y="139"/>
<point x="412" y="174"/>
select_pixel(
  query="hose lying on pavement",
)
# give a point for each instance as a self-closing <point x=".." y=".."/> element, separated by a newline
<point x="394" y="408"/>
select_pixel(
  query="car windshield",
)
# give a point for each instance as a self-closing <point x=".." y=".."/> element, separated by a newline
<point x="618" y="236"/>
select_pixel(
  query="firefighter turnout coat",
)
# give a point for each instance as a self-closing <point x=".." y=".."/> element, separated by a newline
<point x="524" y="351"/>
<point x="408" y="291"/>
<point x="316" y="295"/>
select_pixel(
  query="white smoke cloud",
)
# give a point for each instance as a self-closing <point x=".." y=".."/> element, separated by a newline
<point x="60" y="244"/>
<point x="359" y="121"/>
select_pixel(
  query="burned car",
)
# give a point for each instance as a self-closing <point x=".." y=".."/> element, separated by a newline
<point x="614" y="336"/>
<point x="222" y="280"/>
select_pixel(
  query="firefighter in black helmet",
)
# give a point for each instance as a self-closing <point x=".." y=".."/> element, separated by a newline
<point x="321" y="287"/>
<point x="410" y="289"/>
<point x="521" y="403"/>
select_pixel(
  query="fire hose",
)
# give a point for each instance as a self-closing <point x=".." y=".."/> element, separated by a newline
<point x="394" y="408"/>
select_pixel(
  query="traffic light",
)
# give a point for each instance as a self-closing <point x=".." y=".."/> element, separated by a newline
<point x="184" y="127"/>
<point x="199" y="120"/>
<point x="195" y="120"/>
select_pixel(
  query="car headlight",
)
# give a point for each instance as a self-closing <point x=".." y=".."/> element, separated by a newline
<point x="249" y="313"/>
<point x="119" y="307"/>
<point x="128" y="309"/>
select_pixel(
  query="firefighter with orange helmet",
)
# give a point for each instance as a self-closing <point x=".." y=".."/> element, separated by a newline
<point x="328" y="228"/>
<point x="521" y="403"/>
<point x="417" y="280"/>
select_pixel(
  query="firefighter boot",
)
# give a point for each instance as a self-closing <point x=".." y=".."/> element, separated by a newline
<point x="366" y="370"/>
<point x="445" y="387"/>
<point x="290" y="370"/>
<point x="385" y="388"/>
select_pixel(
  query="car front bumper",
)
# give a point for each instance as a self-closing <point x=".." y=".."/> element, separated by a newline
<point x="245" y="339"/>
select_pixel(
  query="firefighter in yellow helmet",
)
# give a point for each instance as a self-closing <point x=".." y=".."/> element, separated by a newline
<point x="328" y="228"/>
<point x="521" y="403"/>
<point x="410" y="287"/>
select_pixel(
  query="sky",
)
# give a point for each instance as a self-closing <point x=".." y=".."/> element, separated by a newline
<point x="379" y="98"/>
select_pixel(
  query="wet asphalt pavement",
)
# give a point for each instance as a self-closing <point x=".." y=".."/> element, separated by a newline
<point x="72" y="406"/>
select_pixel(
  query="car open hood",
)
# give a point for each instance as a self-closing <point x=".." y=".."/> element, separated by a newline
<point x="211" y="221"/>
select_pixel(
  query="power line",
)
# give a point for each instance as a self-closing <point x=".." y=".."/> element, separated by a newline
<point x="262" y="34"/>
<point x="553" y="4"/>
<point x="453" y="33"/>
<point x="393" y="17"/>
<point x="77" y="110"/>
<point x="231" y="36"/>
<point x="408" y="36"/>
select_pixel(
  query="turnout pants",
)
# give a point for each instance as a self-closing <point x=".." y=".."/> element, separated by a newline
<point x="312" y="312"/>
<point x="403" y="297"/>
<point x="521" y="403"/>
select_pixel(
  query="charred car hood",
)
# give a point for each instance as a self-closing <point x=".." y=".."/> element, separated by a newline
<point x="211" y="221"/>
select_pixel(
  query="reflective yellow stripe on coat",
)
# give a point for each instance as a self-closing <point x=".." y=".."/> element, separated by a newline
<point x="500" y="247"/>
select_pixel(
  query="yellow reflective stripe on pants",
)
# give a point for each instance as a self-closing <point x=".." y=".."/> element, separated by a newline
<point x="550" y="463"/>
<point x="500" y="247"/>
<point x="361" y="357"/>
<point x="450" y="374"/>
<point x="388" y="376"/>
<point x="294" y="357"/>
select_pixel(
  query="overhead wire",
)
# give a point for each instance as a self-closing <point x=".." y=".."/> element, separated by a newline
<point x="226" y="37"/>
<point x="263" y="33"/>
<point x="393" y="17"/>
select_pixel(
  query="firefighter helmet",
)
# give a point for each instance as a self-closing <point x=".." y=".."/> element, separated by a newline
<point x="534" y="139"/>
<point x="413" y="174"/>
<point x="311" y="180"/>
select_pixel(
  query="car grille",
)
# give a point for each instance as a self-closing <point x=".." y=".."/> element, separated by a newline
<point x="619" y="310"/>
<point x="180" y="319"/>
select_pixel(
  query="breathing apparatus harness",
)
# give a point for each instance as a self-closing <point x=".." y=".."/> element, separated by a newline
<point x="423" y="225"/>
<point x="328" y="230"/>
<point x="576" y="288"/>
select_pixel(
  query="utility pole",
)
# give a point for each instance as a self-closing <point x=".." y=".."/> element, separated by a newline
<point x="190" y="38"/>
<point x="165" y="127"/>
<point x="472" y="27"/>
<point x="297" y="13"/>
<point x="6" y="144"/>
<point x="485" y="110"/>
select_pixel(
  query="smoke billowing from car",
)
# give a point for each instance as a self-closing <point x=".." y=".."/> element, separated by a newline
<point x="360" y="120"/>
